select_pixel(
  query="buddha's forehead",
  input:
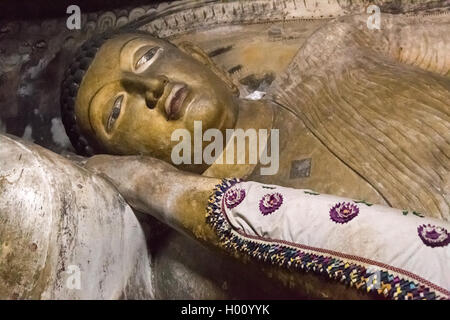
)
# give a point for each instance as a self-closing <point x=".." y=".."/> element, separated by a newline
<point x="106" y="68"/>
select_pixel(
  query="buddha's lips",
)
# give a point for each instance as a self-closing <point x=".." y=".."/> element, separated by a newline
<point x="175" y="100"/>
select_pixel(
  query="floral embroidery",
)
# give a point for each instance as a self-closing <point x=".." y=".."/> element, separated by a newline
<point x="433" y="236"/>
<point x="354" y="275"/>
<point x="343" y="212"/>
<point x="270" y="203"/>
<point x="234" y="197"/>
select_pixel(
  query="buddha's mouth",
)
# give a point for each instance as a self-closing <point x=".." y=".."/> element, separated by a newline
<point x="174" y="101"/>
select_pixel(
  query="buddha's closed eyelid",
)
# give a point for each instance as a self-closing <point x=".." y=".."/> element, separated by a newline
<point x="115" y="112"/>
<point x="146" y="59"/>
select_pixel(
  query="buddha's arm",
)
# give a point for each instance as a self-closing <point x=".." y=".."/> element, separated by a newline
<point x="179" y="199"/>
<point x="152" y="186"/>
<point x="292" y="229"/>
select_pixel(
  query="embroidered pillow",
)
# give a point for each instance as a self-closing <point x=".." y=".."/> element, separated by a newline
<point x="393" y="253"/>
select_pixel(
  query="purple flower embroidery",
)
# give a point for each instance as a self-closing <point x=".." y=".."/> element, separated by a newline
<point x="433" y="236"/>
<point x="234" y="197"/>
<point x="270" y="203"/>
<point x="343" y="212"/>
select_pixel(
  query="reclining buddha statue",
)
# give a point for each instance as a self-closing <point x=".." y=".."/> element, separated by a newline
<point x="360" y="113"/>
<point x="359" y="125"/>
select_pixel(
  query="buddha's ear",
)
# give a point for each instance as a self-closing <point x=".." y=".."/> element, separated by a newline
<point x="201" y="56"/>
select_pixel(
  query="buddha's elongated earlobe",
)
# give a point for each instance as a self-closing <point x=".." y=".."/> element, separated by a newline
<point x="200" y="55"/>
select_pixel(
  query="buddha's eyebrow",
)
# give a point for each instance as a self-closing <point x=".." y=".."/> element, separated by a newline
<point x="125" y="44"/>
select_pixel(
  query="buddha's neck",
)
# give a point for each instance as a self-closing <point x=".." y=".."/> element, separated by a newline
<point x="253" y="114"/>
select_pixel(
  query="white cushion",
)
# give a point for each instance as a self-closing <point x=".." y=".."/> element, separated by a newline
<point x="395" y="253"/>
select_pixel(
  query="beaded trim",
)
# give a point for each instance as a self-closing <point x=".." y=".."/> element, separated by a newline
<point x="379" y="279"/>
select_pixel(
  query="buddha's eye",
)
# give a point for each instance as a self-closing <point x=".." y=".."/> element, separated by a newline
<point x="147" y="58"/>
<point x="115" y="112"/>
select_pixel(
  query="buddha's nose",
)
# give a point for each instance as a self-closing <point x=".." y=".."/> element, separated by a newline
<point x="151" y="88"/>
<point x="154" y="90"/>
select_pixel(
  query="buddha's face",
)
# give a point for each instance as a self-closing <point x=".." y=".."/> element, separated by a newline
<point x="139" y="89"/>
